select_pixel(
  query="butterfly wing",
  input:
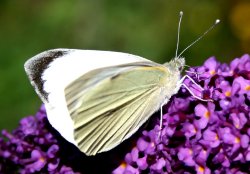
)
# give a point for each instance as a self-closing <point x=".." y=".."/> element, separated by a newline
<point x="97" y="99"/>
<point x="55" y="69"/>
<point x="51" y="71"/>
<point x="108" y="105"/>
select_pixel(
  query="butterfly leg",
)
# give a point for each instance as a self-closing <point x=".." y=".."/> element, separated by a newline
<point x="161" y="122"/>
<point x="195" y="96"/>
<point x="192" y="80"/>
<point x="189" y="90"/>
<point x="196" y="74"/>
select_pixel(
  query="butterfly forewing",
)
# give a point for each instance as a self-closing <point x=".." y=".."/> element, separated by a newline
<point x="52" y="70"/>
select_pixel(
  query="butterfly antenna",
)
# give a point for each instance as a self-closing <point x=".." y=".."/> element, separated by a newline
<point x="178" y="34"/>
<point x="216" y="22"/>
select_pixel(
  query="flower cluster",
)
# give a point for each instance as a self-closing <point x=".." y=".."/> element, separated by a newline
<point x="31" y="148"/>
<point x="206" y="135"/>
<point x="198" y="136"/>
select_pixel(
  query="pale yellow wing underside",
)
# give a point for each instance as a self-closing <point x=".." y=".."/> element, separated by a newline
<point x="108" y="105"/>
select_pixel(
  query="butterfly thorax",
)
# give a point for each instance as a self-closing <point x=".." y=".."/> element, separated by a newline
<point x="174" y="68"/>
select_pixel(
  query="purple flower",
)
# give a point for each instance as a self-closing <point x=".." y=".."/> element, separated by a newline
<point x="200" y="154"/>
<point x="158" y="166"/>
<point x="240" y="64"/>
<point x="189" y="130"/>
<point x="244" y="85"/>
<point x="197" y="136"/>
<point x="35" y="163"/>
<point x="209" y="68"/>
<point x="225" y="89"/>
<point x="120" y="169"/>
<point x="186" y="155"/>
<point x="31" y="148"/>
<point x="239" y="120"/>
<point x="206" y="115"/>
<point x="202" y="170"/>
<point x="210" y="139"/>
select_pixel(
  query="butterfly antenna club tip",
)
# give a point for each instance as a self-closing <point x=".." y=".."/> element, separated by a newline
<point x="201" y="36"/>
<point x="178" y="34"/>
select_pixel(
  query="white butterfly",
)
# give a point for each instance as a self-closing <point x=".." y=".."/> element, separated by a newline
<point x="97" y="99"/>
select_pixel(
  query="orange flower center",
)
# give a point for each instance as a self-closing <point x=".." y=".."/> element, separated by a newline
<point x="190" y="152"/>
<point x="123" y="165"/>
<point x="237" y="140"/>
<point x="247" y="88"/>
<point x="212" y="72"/>
<point x="42" y="159"/>
<point x="207" y="114"/>
<point x="216" y="137"/>
<point x="228" y="93"/>
<point x="194" y="130"/>
<point x="201" y="169"/>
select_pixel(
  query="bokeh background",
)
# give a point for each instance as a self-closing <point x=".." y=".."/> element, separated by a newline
<point x="143" y="27"/>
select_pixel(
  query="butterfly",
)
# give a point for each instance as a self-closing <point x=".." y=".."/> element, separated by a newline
<point x="98" y="99"/>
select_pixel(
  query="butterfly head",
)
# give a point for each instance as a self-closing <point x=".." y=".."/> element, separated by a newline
<point x="176" y="65"/>
<point x="179" y="63"/>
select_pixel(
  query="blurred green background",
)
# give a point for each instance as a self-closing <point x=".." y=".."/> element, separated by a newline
<point x="143" y="27"/>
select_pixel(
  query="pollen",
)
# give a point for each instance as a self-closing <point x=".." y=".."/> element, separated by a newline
<point x="247" y="88"/>
<point x="190" y="152"/>
<point x="227" y="93"/>
<point x="123" y="165"/>
<point x="212" y="72"/>
<point x="216" y="137"/>
<point x="207" y="114"/>
<point x="201" y="169"/>
<point x="237" y="140"/>
<point x="195" y="130"/>
<point x="42" y="159"/>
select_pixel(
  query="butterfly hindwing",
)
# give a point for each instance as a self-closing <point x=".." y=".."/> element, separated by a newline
<point x="108" y="105"/>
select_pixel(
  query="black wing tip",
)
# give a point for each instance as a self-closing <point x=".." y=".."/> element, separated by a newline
<point x="52" y="54"/>
<point x="35" y="67"/>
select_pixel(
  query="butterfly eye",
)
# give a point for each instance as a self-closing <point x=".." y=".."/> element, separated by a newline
<point x="181" y="68"/>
